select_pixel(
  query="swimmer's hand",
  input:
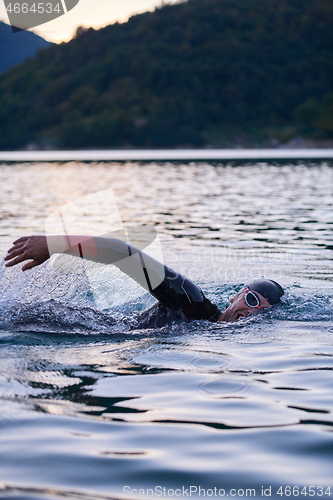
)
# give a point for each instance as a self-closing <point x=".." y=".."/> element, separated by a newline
<point x="33" y="248"/>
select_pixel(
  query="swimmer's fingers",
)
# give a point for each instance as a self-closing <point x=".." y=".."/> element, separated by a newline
<point x="31" y="264"/>
<point x="21" y="240"/>
<point x="15" y="258"/>
<point x="17" y="247"/>
<point x="14" y="251"/>
<point x="21" y="258"/>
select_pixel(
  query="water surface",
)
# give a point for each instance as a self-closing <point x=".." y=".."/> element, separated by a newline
<point x="92" y="407"/>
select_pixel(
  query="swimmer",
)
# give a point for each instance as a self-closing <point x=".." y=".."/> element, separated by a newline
<point x="177" y="296"/>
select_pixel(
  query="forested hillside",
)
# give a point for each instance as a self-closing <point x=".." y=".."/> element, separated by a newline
<point x="16" y="47"/>
<point x="201" y="72"/>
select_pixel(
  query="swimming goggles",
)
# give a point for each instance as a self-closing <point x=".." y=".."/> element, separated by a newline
<point x="251" y="299"/>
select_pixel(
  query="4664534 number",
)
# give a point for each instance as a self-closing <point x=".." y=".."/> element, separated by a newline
<point x="310" y="491"/>
<point x="35" y="8"/>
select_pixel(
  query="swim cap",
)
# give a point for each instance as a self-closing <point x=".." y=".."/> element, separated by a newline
<point x="269" y="289"/>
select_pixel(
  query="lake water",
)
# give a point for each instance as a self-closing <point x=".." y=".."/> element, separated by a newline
<point x="93" y="408"/>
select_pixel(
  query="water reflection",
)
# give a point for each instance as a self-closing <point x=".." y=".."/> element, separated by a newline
<point x="90" y="404"/>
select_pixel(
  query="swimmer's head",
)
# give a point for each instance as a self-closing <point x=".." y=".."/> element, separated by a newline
<point x="257" y="295"/>
<point x="269" y="289"/>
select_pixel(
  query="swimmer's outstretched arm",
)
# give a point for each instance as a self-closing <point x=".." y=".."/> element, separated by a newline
<point x="168" y="287"/>
<point x="147" y="271"/>
<point x="38" y="249"/>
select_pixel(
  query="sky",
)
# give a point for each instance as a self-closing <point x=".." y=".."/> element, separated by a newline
<point x="89" y="13"/>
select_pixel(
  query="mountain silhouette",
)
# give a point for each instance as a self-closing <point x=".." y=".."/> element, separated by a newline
<point x="15" y="48"/>
<point x="197" y="73"/>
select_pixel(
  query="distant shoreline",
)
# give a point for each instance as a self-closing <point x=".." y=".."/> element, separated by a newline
<point x="168" y="155"/>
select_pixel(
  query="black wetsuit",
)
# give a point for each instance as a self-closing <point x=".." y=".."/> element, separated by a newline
<point x="178" y="299"/>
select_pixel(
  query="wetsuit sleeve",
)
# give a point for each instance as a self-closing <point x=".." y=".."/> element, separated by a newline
<point x="170" y="288"/>
<point x="180" y="294"/>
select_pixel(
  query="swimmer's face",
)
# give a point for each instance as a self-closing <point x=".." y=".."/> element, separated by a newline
<point x="238" y="307"/>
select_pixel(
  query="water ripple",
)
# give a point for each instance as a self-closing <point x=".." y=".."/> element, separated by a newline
<point x="90" y="404"/>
